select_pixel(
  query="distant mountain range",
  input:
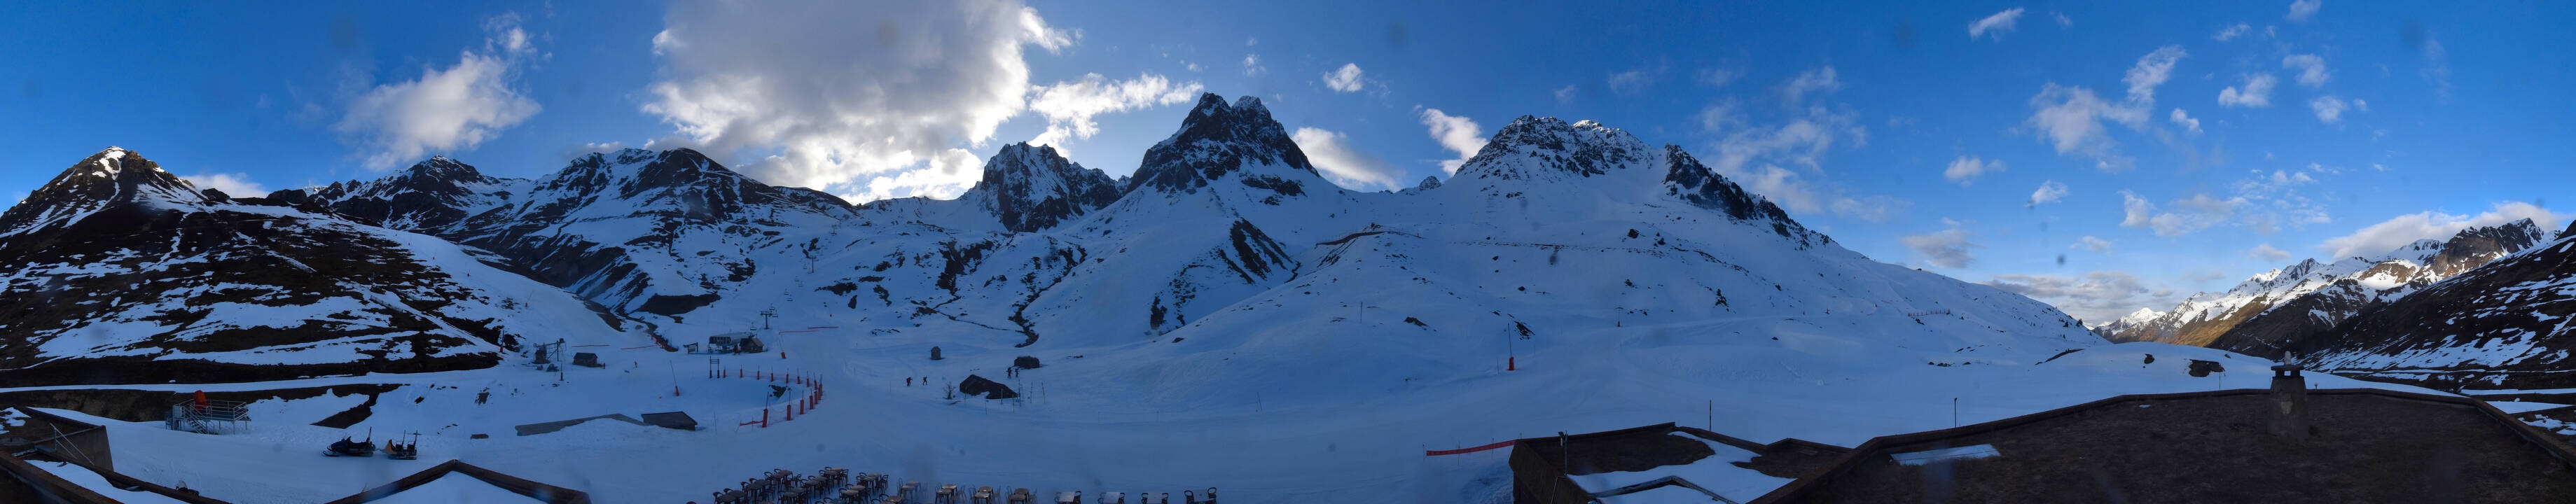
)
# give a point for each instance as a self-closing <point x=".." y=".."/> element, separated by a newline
<point x="1225" y="242"/>
<point x="2313" y="296"/>
<point x="2502" y="325"/>
<point x="2473" y="310"/>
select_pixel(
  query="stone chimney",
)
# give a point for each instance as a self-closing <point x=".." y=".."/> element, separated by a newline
<point x="2289" y="403"/>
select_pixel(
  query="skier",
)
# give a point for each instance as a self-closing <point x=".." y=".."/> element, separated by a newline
<point x="907" y="381"/>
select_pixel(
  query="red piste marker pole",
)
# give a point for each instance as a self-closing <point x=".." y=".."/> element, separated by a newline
<point x="1512" y="364"/>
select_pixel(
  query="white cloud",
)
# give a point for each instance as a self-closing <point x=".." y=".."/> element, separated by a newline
<point x="1347" y="79"/>
<point x="2135" y="211"/>
<point x="2062" y="20"/>
<point x="1879" y="209"/>
<point x="1997" y="24"/>
<point x="1069" y="106"/>
<point x="1456" y="133"/>
<point x="2048" y="192"/>
<point x="2266" y="253"/>
<point x="2437" y="68"/>
<point x="2257" y="92"/>
<point x="2231" y="32"/>
<point x="2301" y="9"/>
<point x="845" y="108"/>
<point x="1947" y="248"/>
<point x="2311" y="69"/>
<point x="1717" y="77"/>
<point x="1344" y="165"/>
<point x="1799" y="142"/>
<point x="2265" y="202"/>
<point x="445" y="110"/>
<point x="1565" y="94"/>
<point x="946" y="173"/>
<point x="2091" y="244"/>
<point x="1630" y="82"/>
<point x="2434" y="225"/>
<point x="2184" y="216"/>
<point x="2070" y="118"/>
<point x="2184" y="120"/>
<point x="1755" y="154"/>
<point x="2097" y="296"/>
<point x="1252" y="65"/>
<point x="2329" y="109"/>
<point x="1819" y="80"/>
<point x="233" y="184"/>
<point x="2152" y="70"/>
<point x="1965" y="170"/>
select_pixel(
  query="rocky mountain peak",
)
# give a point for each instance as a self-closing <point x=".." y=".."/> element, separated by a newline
<point x="1033" y="187"/>
<point x="428" y="196"/>
<point x="2522" y="232"/>
<point x="1549" y="148"/>
<point x="1217" y="140"/>
<point x="2475" y="246"/>
<point x="442" y="168"/>
<point x="114" y="176"/>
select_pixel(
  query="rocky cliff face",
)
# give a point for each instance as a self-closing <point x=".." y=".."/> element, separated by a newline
<point x="1033" y="188"/>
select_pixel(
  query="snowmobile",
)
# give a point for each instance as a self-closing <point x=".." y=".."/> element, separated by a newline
<point x="347" y="448"/>
<point x="401" y="449"/>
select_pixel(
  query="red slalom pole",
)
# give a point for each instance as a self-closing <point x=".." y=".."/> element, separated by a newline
<point x="1512" y="364"/>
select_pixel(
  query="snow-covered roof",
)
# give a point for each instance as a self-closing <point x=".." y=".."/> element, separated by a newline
<point x="456" y="488"/>
<point x="458" y="482"/>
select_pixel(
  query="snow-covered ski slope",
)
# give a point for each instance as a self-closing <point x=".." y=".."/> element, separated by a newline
<point x="1268" y="442"/>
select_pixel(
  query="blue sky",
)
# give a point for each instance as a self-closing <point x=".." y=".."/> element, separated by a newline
<point x="1917" y="134"/>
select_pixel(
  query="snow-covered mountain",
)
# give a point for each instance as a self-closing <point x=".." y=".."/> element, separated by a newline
<point x="1224" y="304"/>
<point x="118" y="272"/>
<point x="2311" y="297"/>
<point x="2504" y="324"/>
<point x="1225" y="216"/>
<point x="430" y="197"/>
<point x="1033" y="188"/>
<point x="640" y="231"/>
